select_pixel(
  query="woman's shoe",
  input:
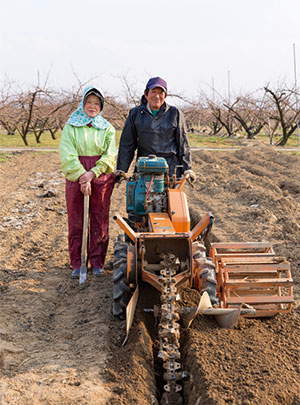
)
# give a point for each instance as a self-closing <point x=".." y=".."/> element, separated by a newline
<point x="97" y="271"/>
<point x="75" y="273"/>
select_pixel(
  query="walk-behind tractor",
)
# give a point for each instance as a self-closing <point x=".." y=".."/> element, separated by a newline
<point x="160" y="248"/>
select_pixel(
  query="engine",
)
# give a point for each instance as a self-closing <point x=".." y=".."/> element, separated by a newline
<point x="146" y="191"/>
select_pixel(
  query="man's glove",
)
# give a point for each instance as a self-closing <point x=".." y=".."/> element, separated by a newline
<point x="191" y="175"/>
<point x="119" y="176"/>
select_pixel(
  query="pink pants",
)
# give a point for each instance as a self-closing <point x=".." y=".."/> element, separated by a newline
<point x="102" y="188"/>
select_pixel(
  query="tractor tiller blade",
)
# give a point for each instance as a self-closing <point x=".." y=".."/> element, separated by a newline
<point x="130" y="310"/>
<point x="229" y="318"/>
<point x="226" y="317"/>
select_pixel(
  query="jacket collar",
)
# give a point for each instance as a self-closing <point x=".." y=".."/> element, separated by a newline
<point x="144" y="106"/>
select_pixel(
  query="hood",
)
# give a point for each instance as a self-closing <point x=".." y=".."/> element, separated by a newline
<point x="79" y="118"/>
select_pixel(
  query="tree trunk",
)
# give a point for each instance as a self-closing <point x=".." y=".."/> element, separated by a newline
<point x="53" y="132"/>
<point x="38" y="136"/>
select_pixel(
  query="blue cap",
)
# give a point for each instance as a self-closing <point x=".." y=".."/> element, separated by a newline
<point x="156" y="82"/>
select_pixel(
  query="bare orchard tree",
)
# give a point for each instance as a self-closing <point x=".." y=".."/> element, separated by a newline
<point x="42" y="109"/>
<point x="115" y="112"/>
<point x="249" y="112"/>
<point x="210" y="122"/>
<point x="284" y="111"/>
<point x="199" y="118"/>
<point x="59" y="117"/>
<point x="218" y="118"/>
<point x="9" y="118"/>
<point x="193" y="117"/>
<point x="51" y="111"/>
<point x="25" y="103"/>
<point x="224" y="118"/>
<point x="130" y="92"/>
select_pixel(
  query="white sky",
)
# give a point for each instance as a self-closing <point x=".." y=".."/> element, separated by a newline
<point x="187" y="42"/>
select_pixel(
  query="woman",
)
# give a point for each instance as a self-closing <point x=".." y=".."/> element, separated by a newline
<point x="88" y="153"/>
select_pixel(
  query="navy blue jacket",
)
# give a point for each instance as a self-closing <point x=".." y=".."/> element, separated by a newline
<point x="163" y="135"/>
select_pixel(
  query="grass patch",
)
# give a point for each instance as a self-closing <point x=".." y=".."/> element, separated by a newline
<point x="15" y="141"/>
<point x="200" y="140"/>
<point x="46" y="141"/>
<point x="4" y="157"/>
<point x="195" y="139"/>
<point x="44" y="152"/>
<point x="293" y="153"/>
<point x="293" y="141"/>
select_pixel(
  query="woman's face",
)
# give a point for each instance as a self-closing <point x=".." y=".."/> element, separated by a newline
<point x="92" y="106"/>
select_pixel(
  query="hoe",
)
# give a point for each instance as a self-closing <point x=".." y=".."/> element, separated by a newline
<point x="160" y="248"/>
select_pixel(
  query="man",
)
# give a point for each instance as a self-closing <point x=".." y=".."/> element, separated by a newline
<point x="155" y="128"/>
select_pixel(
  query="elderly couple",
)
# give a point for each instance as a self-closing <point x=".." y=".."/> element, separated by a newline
<point x="88" y="153"/>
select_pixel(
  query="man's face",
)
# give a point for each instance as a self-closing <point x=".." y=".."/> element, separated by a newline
<point x="155" y="97"/>
<point x="92" y="106"/>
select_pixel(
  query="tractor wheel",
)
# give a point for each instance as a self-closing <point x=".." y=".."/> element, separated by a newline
<point x="209" y="283"/>
<point x="121" y="286"/>
<point x="195" y="217"/>
<point x="206" y="275"/>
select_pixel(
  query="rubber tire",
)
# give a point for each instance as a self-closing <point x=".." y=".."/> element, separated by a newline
<point x="209" y="283"/>
<point x="195" y="217"/>
<point x="207" y="274"/>
<point x="121" y="294"/>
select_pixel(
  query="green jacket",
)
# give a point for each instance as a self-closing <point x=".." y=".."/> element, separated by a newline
<point x="85" y="141"/>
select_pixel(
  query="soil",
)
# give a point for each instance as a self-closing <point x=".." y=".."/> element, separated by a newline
<point x="60" y="344"/>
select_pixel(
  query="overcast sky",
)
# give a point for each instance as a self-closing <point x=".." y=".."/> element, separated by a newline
<point x="190" y="43"/>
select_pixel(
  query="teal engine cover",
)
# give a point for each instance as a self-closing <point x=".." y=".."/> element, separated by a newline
<point x="148" y="183"/>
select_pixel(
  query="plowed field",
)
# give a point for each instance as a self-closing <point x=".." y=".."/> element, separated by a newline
<point x="60" y="345"/>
